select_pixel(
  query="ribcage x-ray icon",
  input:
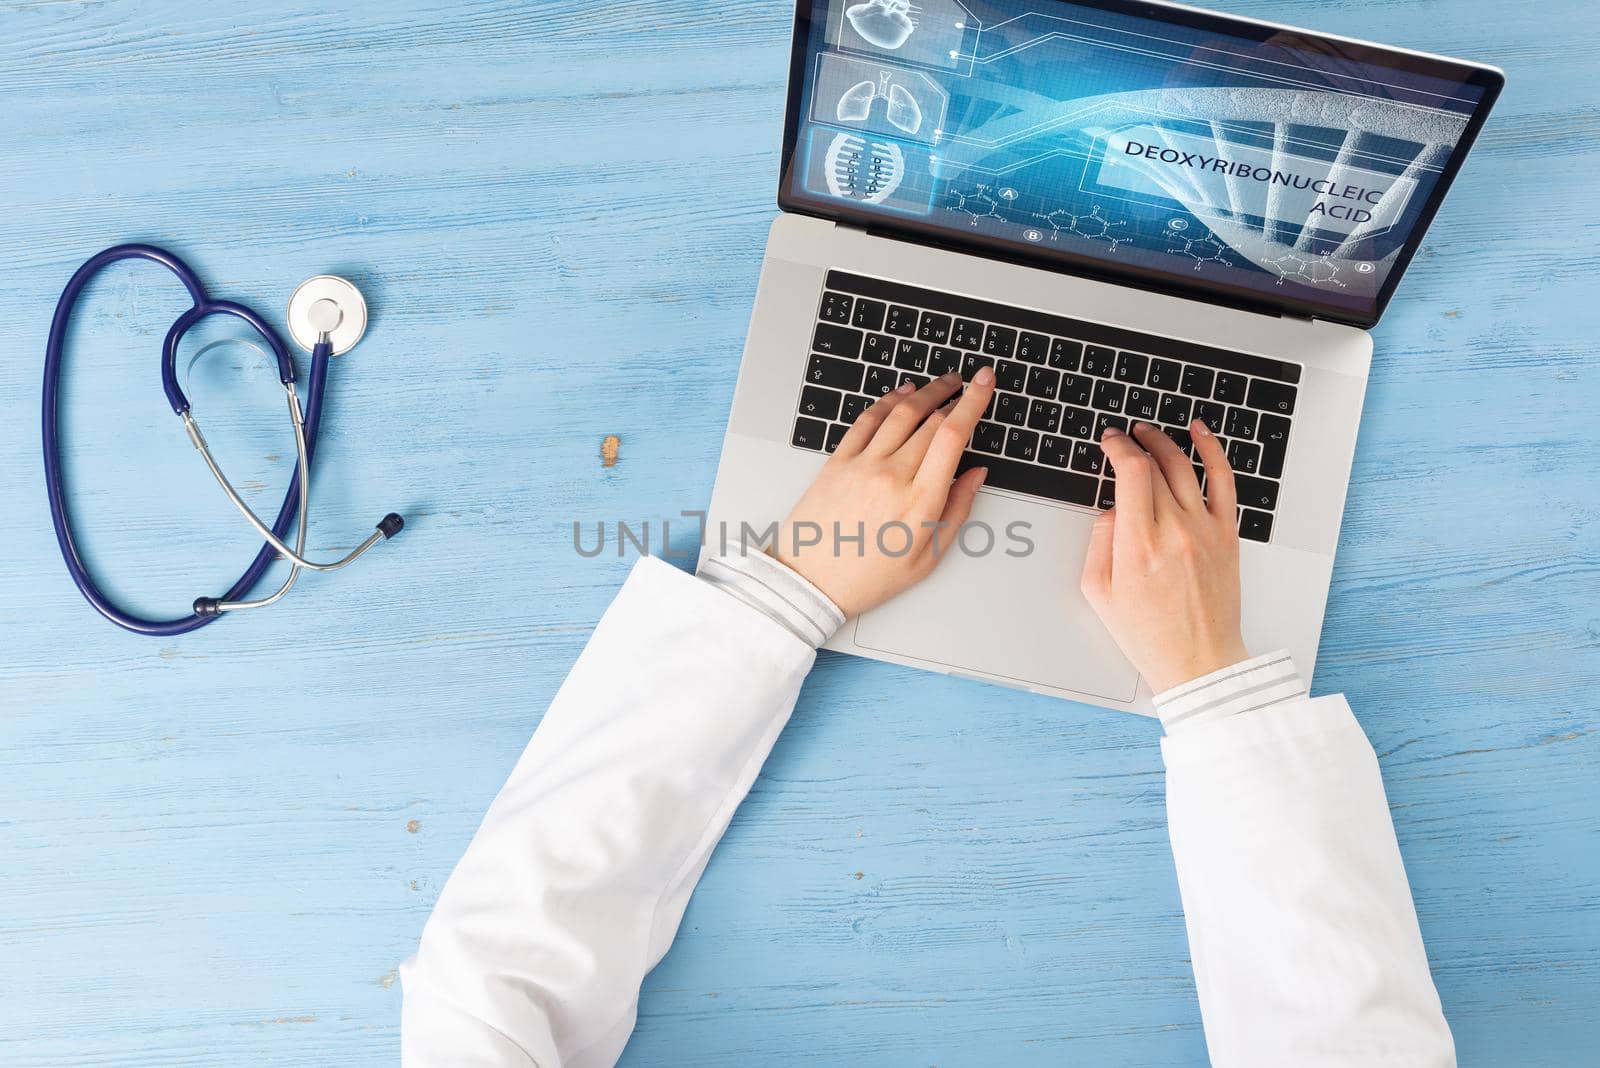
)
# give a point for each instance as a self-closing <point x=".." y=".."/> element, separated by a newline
<point x="903" y="110"/>
<point x="863" y="170"/>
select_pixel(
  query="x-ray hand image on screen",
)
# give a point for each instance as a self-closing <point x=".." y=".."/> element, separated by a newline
<point x="1253" y="163"/>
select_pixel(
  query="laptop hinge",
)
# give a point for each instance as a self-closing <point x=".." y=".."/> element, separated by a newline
<point x="1221" y="301"/>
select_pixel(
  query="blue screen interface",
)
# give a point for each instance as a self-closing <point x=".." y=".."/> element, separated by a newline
<point x="1281" y="167"/>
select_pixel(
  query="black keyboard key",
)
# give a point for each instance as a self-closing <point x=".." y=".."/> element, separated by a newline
<point x="854" y="405"/>
<point x="972" y="363"/>
<point x="1181" y="438"/>
<point x="1211" y="414"/>
<point x="989" y="437"/>
<point x="1042" y="382"/>
<point x="1174" y="409"/>
<point x="1256" y="492"/>
<point x="999" y="341"/>
<point x="1043" y="415"/>
<point x="941" y="361"/>
<point x="967" y="333"/>
<point x="1099" y="360"/>
<point x="1087" y="457"/>
<point x="1011" y="376"/>
<point x="1200" y="478"/>
<point x="1022" y="444"/>
<point x="809" y="433"/>
<point x="1244" y="457"/>
<point x="1108" y="494"/>
<point x="1041" y="481"/>
<point x="1274" y="397"/>
<point x="1103" y="420"/>
<point x="1108" y="396"/>
<point x="879" y="348"/>
<point x="1061" y="326"/>
<point x="1241" y="423"/>
<point x="820" y="403"/>
<point x="1254" y="525"/>
<point x="1142" y="404"/>
<point x="836" y="340"/>
<point x="1078" y="422"/>
<point x="1197" y="381"/>
<point x="933" y="328"/>
<point x="1131" y="368"/>
<point x="1065" y="354"/>
<point x="835" y="308"/>
<point x="917" y="381"/>
<point x="1032" y="347"/>
<point x="1010" y="408"/>
<point x="869" y="314"/>
<point x="901" y="321"/>
<point x="1055" y="451"/>
<point x="1164" y="374"/>
<point x="1230" y="387"/>
<point x="1075" y="389"/>
<point x="835" y="374"/>
<point x="1273" y="433"/>
<point x="911" y="355"/>
<point x="836" y="433"/>
<point x="880" y="380"/>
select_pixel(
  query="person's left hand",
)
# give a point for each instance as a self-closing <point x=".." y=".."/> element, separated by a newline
<point x="890" y="481"/>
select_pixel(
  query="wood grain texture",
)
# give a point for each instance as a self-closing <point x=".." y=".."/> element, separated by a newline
<point x="216" y="849"/>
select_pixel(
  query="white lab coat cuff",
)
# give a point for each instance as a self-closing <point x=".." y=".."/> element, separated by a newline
<point x="775" y="591"/>
<point x="1249" y="686"/>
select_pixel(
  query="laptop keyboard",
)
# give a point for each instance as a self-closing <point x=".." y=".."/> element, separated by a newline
<point x="1059" y="383"/>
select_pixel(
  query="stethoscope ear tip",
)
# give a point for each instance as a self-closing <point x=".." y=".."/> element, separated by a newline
<point x="391" y="525"/>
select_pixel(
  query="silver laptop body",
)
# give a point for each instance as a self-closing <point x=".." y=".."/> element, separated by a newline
<point x="1016" y="617"/>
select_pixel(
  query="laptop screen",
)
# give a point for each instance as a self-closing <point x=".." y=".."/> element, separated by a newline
<point x="1178" y="148"/>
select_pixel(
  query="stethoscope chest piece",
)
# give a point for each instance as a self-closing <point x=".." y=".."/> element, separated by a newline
<point x="327" y="306"/>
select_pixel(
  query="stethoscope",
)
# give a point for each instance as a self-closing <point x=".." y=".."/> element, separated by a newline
<point x="327" y="316"/>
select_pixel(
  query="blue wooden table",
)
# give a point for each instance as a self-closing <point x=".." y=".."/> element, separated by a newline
<point x="216" y="849"/>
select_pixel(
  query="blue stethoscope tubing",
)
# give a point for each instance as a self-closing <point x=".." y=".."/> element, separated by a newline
<point x="203" y="307"/>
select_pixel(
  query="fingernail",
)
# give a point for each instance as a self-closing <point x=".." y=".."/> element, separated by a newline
<point x="1199" y="427"/>
<point x="983" y="475"/>
<point x="950" y="378"/>
<point x="904" y="387"/>
<point x="1110" y="432"/>
<point x="984" y="377"/>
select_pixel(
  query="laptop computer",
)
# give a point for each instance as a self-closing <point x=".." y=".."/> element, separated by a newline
<point x="1132" y="211"/>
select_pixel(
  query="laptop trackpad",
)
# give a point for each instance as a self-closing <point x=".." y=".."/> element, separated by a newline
<point x="1020" y="618"/>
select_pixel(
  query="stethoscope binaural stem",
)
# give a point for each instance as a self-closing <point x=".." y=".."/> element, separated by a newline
<point x="261" y="528"/>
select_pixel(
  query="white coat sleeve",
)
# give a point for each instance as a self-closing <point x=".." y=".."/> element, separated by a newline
<point x="1301" y="927"/>
<point x="574" y="886"/>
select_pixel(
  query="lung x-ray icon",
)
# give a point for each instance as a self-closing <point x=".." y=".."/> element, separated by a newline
<point x="903" y="110"/>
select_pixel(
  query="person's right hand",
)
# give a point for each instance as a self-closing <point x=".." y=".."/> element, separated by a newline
<point x="1163" y="566"/>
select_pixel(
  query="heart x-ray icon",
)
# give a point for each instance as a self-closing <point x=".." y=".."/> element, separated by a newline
<point x="884" y="23"/>
<point x="856" y="103"/>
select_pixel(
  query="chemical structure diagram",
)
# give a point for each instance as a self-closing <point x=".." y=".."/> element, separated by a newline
<point x="977" y="205"/>
<point x="1202" y="250"/>
<point x="1091" y="226"/>
<point x="1308" y="270"/>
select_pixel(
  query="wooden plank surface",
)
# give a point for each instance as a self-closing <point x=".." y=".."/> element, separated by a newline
<point x="216" y="849"/>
